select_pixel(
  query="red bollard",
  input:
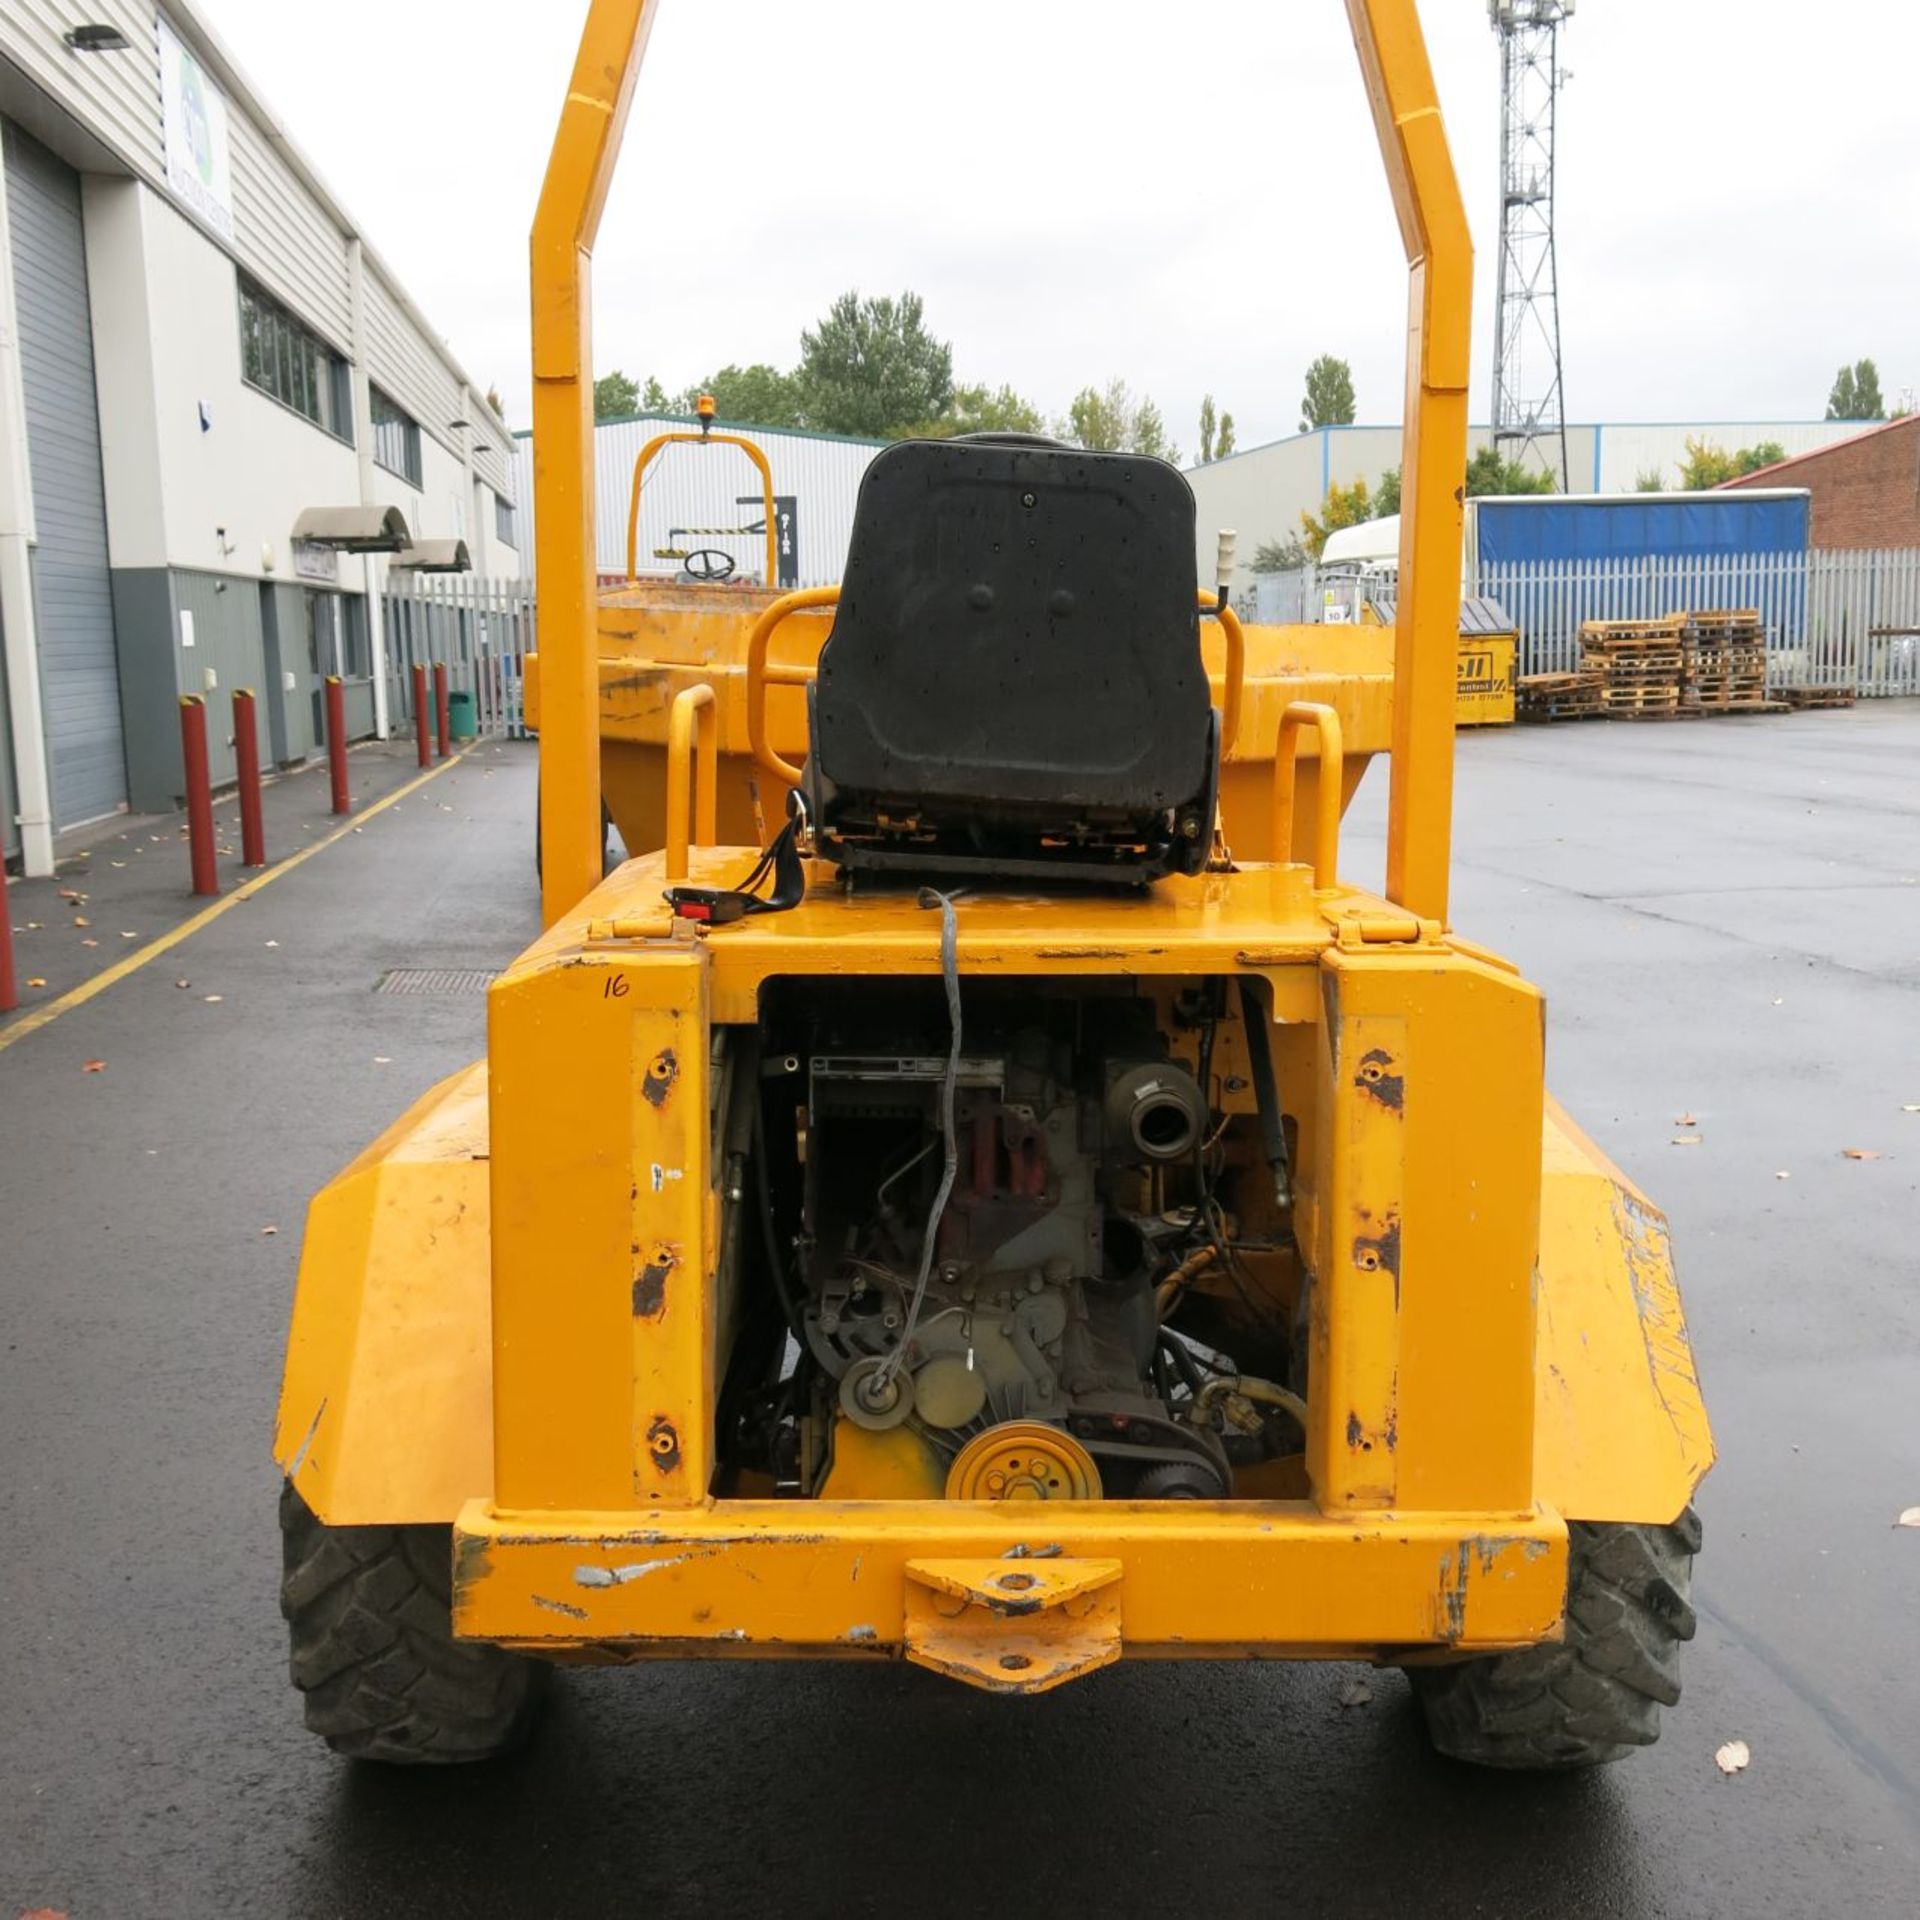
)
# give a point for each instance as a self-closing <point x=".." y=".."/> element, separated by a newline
<point x="193" y="753"/>
<point x="337" y="743"/>
<point x="9" y="992"/>
<point x="421" y="738"/>
<point x="440" y="705"/>
<point x="246" y="763"/>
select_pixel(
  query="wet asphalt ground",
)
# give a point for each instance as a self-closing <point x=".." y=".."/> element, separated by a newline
<point x="1726" y="917"/>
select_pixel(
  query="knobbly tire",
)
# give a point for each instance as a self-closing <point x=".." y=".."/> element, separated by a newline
<point x="369" y="1612"/>
<point x="1597" y="1695"/>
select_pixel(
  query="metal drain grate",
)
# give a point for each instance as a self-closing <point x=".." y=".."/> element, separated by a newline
<point x="436" y="980"/>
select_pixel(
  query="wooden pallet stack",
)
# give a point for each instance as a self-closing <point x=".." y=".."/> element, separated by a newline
<point x="1561" y="696"/>
<point x="1802" y="698"/>
<point x="1724" y="662"/>
<point x="1640" y="664"/>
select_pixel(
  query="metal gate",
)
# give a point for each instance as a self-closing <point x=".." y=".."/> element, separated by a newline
<point x="481" y="628"/>
<point x="73" y="588"/>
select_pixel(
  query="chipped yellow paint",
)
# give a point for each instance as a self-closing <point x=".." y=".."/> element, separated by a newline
<point x="1621" y="1426"/>
<point x="824" y="1577"/>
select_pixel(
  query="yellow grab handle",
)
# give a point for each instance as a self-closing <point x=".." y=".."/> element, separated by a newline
<point x="1299" y="715"/>
<point x="691" y="705"/>
<point x="1236" y="667"/>
<point x="759" y="674"/>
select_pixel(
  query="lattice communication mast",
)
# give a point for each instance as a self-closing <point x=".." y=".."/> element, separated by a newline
<point x="1529" y="402"/>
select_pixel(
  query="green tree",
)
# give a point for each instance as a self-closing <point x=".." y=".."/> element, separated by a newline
<point x="656" y="399"/>
<point x="1769" y="453"/>
<point x="1856" y="394"/>
<point x="1329" y="398"/>
<point x="1111" y="419"/>
<point x="1209" y="425"/>
<point x="1280" y="556"/>
<point x="759" y="395"/>
<point x="871" y="367"/>
<point x="1708" y="465"/>
<point x="615" y="396"/>
<point x="1343" y="507"/>
<point x="1224" y="444"/>
<point x="1387" y="499"/>
<point x="982" y="409"/>
<point x="1489" y="471"/>
<point x="1650" y="480"/>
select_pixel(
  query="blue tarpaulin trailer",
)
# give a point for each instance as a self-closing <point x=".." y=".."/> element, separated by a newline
<point x="1510" y="531"/>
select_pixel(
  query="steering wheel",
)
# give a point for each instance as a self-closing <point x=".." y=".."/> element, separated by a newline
<point x="708" y="564"/>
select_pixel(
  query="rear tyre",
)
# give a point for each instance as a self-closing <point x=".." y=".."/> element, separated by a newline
<point x="369" y="1613"/>
<point x="1597" y="1695"/>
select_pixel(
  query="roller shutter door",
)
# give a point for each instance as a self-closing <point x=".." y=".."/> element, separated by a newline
<point x="72" y="588"/>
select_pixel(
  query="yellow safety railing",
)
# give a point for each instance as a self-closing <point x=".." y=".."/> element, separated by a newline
<point x="701" y="439"/>
<point x="1325" y="723"/>
<point x="691" y="737"/>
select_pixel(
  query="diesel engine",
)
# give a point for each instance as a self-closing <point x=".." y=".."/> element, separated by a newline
<point x="979" y="1244"/>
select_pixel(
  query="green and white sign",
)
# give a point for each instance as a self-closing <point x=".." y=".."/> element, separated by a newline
<point x="193" y="115"/>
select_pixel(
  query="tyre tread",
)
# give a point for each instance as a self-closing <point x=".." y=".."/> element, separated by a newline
<point x="1596" y="1695"/>
<point x="370" y="1625"/>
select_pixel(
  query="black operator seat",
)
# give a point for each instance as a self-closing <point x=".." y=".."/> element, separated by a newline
<point x="1013" y="684"/>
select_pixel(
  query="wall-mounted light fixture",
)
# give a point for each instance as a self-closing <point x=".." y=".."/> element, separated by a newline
<point x="95" y="36"/>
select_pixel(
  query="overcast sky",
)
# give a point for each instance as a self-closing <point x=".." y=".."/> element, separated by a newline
<point x="1185" y="195"/>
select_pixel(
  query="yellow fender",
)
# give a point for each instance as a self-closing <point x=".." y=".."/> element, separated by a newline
<point x="386" y="1410"/>
<point x="1620" y="1428"/>
<point x="386" y="1414"/>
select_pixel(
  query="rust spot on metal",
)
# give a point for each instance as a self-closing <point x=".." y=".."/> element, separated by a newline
<point x="663" y="1444"/>
<point x="1356" y="1433"/>
<point x="1378" y="1081"/>
<point x="558" y="1606"/>
<point x="662" y="1071"/>
<point x="650" y="1289"/>
<point x="1380" y="1253"/>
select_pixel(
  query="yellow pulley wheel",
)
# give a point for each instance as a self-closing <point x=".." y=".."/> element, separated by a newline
<point x="1023" y="1460"/>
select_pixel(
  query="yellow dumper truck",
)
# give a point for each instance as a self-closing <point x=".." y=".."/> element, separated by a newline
<point x="986" y="1192"/>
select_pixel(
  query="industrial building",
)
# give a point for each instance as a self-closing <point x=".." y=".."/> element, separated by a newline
<point x="1262" y="492"/>
<point x="1865" y="487"/>
<point x="202" y="359"/>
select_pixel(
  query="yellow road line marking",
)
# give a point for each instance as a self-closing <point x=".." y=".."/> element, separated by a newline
<point x="19" y="1028"/>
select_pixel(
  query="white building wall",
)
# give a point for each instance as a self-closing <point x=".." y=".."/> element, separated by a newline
<point x="285" y="239"/>
<point x="118" y="95"/>
<point x="220" y="497"/>
<point x="1627" y="451"/>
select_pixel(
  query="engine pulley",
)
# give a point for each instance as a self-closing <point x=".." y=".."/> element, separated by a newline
<point x="1023" y="1460"/>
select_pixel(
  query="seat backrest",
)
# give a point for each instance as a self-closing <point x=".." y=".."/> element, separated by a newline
<point x="1017" y="633"/>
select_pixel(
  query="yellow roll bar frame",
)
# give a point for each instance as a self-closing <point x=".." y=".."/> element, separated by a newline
<point x="678" y="437"/>
<point x="1439" y="250"/>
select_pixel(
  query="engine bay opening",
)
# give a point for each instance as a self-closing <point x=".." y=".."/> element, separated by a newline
<point x="1045" y="1254"/>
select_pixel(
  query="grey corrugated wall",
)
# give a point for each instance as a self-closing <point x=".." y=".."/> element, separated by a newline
<point x="73" y="592"/>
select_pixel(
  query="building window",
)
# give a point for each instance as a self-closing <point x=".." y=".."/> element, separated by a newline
<point x="503" y="528"/>
<point x="290" y="363"/>
<point x="396" y="438"/>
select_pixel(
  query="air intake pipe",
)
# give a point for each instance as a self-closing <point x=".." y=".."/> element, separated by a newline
<point x="1155" y="1111"/>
